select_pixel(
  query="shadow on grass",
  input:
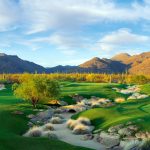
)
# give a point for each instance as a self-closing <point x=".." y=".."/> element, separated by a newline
<point x="98" y="122"/>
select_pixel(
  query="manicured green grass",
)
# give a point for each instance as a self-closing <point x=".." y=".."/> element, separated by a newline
<point x="89" y="89"/>
<point x="13" y="126"/>
<point x="146" y="89"/>
<point x="131" y="110"/>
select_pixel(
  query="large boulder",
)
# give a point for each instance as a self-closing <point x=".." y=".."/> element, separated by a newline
<point x="77" y="97"/>
<point x="115" y="129"/>
<point x="42" y="116"/>
<point x="133" y="128"/>
<point x="125" y="132"/>
<point x="108" y="140"/>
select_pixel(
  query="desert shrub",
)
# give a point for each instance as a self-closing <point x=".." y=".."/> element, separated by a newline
<point x="81" y="129"/>
<point x="59" y="115"/>
<point x="71" y="123"/>
<point x="84" y="120"/>
<point x="120" y="100"/>
<point x="49" y="135"/>
<point x="48" y="126"/>
<point x="56" y="120"/>
<point x="34" y="132"/>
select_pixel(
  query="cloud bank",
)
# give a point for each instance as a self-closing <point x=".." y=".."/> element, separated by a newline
<point x="73" y="25"/>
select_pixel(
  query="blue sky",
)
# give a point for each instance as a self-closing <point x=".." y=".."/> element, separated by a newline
<point x="69" y="32"/>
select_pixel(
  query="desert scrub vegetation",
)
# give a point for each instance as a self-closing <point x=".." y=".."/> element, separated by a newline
<point x="120" y="100"/>
<point x="80" y="126"/>
<point x="78" y="77"/>
<point x="34" y="132"/>
<point x="56" y="120"/>
<point x="81" y="129"/>
<point x="48" y="127"/>
<point x="84" y="120"/>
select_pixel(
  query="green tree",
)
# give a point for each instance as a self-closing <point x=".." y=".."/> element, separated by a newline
<point x="15" y="86"/>
<point x="37" y="89"/>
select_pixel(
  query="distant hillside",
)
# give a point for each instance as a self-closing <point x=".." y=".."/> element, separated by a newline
<point x="103" y="65"/>
<point x="136" y="64"/>
<point x="13" y="64"/>
<point x="121" y="57"/>
<point x="141" y="68"/>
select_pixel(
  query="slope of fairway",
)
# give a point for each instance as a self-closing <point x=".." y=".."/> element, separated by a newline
<point x="89" y="89"/>
<point x="131" y="110"/>
<point x="13" y="126"/>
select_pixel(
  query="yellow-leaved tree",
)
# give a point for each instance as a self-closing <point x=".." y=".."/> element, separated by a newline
<point x="37" y="89"/>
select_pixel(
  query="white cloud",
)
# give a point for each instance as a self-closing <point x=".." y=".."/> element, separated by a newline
<point x="69" y="52"/>
<point x="122" y="38"/>
<point x="43" y="15"/>
<point x="9" y="18"/>
<point x="66" y="43"/>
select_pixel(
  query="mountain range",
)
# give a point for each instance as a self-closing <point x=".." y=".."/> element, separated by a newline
<point x="136" y="64"/>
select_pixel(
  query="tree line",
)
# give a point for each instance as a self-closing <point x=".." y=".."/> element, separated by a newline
<point x="77" y="77"/>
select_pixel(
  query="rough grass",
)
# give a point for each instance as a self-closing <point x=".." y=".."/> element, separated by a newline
<point x="131" y="110"/>
<point x="13" y="126"/>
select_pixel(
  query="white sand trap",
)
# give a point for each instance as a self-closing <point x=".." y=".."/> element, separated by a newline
<point x="66" y="135"/>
